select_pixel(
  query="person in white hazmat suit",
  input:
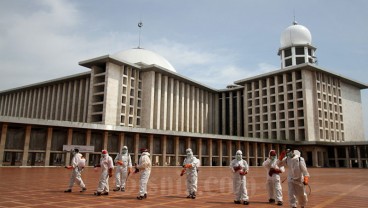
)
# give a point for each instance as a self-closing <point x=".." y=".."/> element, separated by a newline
<point x="240" y="168"/>
<point x="144" y="166"/>
<point x="77" y="166"/>
<point x="107" y="165"/>
<point x="273" y="183"/>
<point x="190" y="166"/>
<point x="298" y="176"/>
<point x="123" y="165"/>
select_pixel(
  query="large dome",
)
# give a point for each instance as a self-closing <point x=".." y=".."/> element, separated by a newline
<point x="295" y="35"/>
<point x="140" y="55"/>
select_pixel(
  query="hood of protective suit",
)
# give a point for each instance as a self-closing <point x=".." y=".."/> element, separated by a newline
<point x="239" y="155"/>
<point x="146" y="153"/>
<point x="124" y="150"/>
<point x="189" y="153"/>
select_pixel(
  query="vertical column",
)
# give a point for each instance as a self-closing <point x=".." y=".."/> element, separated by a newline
<point x="210" y="153"/>
<point x="164" y="145"/>
<point x="105" y="140"/>
<point x="69" y="142"/>
<point x="231" y="118"/>
<point x="2" y="142"/>
<point x="315" y="158"/>
<point x="187" y="143"/>
<point x="88" y="142"/>
<point x="121" y="141"/>
<point x="176" y="140"/>
<point x="255" y="147"/>
<point x="229" y="151"/>
<point x="136" y="147"/>
<point x="165" y="109"/>
<point x="347" y="160"/>
<point x="336" y="158"/>
<point x="158" y="101"/>
<point x="48" y="146"/>
<point x="199" y="147"/>
<point x="223" y="112"/>
<point x="219" y="144"/>
<point x="238" y="146"/>
<point x="277" y="148"/>
<point x="26" y="145"/>
<point x="263" y="151"/>
<point x="246" y="148"/>
<point x="359" y="158"/>
<point x="238" y="114"/>
<point x="150" y="144"/>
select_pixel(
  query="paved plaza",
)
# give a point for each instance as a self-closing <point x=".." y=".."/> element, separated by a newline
<point x="43" y="187"/>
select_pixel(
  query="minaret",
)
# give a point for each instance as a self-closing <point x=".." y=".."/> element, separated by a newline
<point x="296" y="46"/>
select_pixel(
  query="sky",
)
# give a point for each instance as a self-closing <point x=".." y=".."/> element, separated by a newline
<point x="210" y="41"/>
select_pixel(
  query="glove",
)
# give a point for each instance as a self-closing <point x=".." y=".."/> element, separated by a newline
<point x="136" y="170"/>
<point x="188" y="166"/>
<point x="119" y="162"/>
<point x="110" y="172"/>
<point x="306" y="179"/>
<point x="282" y="155"/>
<point x="243" y="173"/>
<point x="278" y="171"/>
<point x="182" y="172"/>
<point x="69" y="167"/>
<point x="237" y="168"/>
<point x="271" y="172"/>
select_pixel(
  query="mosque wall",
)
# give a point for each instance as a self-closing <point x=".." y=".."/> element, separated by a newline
<point x="64" y="100"/>
<point x="352" y="112"/>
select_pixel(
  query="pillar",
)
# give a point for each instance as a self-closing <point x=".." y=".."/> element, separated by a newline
<point x="105" y="138"/>
<point x="230" y="154"/>
<point x="121" y="141"/>
<point x="48" y="146"/>
<point x="88" y="143"/>
<point x="246" y="148"/>
<point x="210" y="153"/>
<point x="2" y="142"/>
<point x="150" y="144"/>
<point x="347" y="160"/>
<point x="255" y="153"/>
<point x="315" y="158"/>
<point x="199" y="146"/>
<point x="336" y="158"/>
<point x="69" y="142"/>
<point x="263" y="151"/>
<point x="176" y="144"/>
<point x="220" y="151"/>
<point x="359" y="158"/>
<point x="26" y="145"/>
<point x="187" y="142"/>
<point x="163" y="148"/>
<point x="136" y="147"/>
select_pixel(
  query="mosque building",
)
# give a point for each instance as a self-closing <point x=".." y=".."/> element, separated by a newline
<point x="136" y="98"/>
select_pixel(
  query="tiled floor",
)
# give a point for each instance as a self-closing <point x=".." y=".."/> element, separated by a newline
<point x="43" y="187"/>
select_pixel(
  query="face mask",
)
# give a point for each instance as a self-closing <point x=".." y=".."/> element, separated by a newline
<point x="238" y="156"/>
<point x="290" y="154"/>
<point x="124" y="151"/>
<point x="273" y="157"/>
<point x="189" y="154"/>
<point x="103" y="155"/>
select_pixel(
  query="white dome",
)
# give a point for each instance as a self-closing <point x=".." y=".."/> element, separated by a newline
<point x="295" y="35"/>
<point x="140" y="55"/>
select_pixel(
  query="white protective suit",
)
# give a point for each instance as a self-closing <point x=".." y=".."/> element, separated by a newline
<point x="77" y="164"/>
<point x="106" y="163"/>
<point x="192" y="173"/>
<point x="297" y="170"/>
<point x="239" y="168"/>
<point x="273" y="183"/>
<point x="122" y="170"/>
<point x="144" y="166"/>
